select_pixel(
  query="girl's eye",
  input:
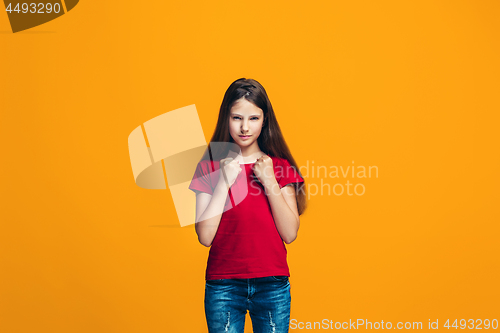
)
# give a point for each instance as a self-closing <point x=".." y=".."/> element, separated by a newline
<point x="253" y="118"/>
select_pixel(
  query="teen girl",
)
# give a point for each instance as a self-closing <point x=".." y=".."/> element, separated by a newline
<point x="247" y="267"/>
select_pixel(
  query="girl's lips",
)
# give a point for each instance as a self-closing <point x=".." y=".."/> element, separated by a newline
<point x="245" y="136"/>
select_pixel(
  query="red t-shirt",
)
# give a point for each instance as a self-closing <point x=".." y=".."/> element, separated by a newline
<point x="247" y="243"/>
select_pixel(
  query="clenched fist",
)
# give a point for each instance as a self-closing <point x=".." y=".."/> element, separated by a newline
<point x="230" y="169"/>
<point x="264" y="170"/>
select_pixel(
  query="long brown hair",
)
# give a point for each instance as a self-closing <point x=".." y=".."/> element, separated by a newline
<point x="270" y="140"/>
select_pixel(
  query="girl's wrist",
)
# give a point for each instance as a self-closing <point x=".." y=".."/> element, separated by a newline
<point x="269" y="185"/>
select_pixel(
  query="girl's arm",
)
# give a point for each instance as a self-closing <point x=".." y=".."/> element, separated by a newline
<point x="284" y="208"/>
<point x="209" y="209"/>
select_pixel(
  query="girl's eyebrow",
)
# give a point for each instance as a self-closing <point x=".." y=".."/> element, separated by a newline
<point x="253" y="115"/>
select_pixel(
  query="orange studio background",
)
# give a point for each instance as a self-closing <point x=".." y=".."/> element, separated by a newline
<point x="411" y="88"/>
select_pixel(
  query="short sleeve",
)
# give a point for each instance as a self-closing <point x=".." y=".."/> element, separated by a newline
<point x="201" y="179"/>
<point x="287" y="174"/>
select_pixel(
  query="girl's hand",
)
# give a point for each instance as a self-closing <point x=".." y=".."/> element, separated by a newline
<point x="264" y="170"/>
<point x="230" y="169"/>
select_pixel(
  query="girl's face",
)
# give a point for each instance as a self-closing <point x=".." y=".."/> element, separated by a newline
<point x="245" y="123"/>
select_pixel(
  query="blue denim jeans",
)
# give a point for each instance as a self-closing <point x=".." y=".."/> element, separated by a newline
<point x="267" y="299"/>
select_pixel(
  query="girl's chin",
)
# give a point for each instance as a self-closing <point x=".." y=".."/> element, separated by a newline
<point x="243" y="144"/>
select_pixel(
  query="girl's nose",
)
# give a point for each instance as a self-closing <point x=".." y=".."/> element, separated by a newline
<point x="244" y="126"/>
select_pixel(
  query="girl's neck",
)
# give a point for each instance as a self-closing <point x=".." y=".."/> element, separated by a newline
<point x="247" y="155"/>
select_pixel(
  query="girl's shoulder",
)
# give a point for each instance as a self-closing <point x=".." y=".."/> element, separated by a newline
<point x="208" y="165"/>
<point x="279" y="160"/>
<point x="207" y="162"/>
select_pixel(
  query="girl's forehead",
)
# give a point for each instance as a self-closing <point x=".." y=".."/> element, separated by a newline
<point x="246" y="108"/>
